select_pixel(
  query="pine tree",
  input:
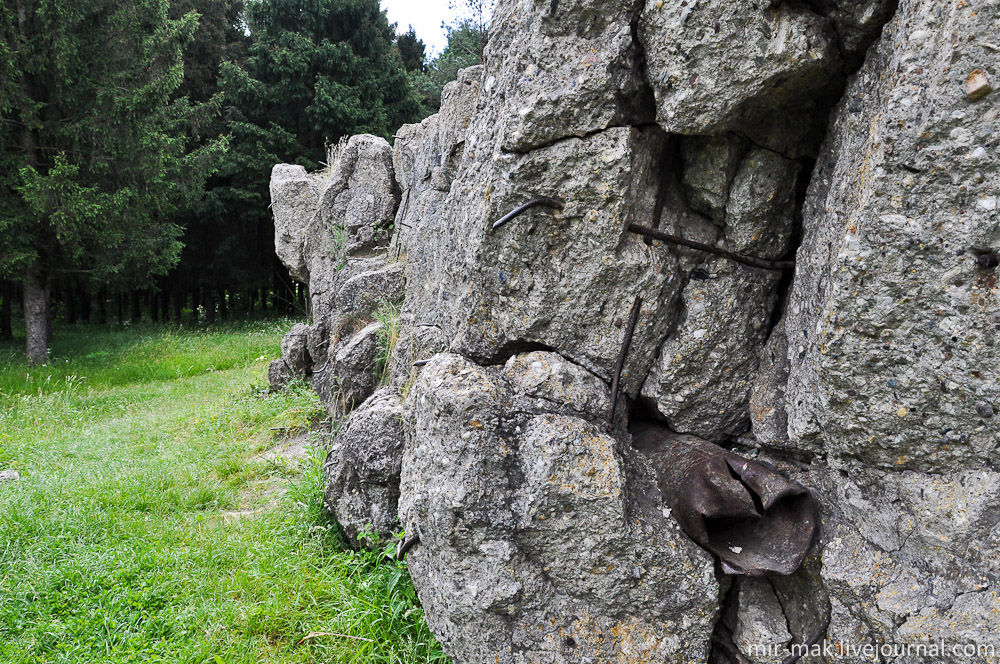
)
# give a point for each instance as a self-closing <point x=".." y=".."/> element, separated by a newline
<point x="94" y="153"/>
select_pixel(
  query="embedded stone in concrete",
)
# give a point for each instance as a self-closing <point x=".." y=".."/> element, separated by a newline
<point x="710" y="164"/>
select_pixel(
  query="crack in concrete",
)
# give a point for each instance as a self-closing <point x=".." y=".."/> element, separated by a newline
<point x="784" y="610"/>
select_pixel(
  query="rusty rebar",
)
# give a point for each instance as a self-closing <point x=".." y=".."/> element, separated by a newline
<point x="633" y="318"/>
<point x="537" y="200"/>
<point x="726" y="643"/>
<point x="405" y="545"/>
<point x="752" y="261"/>
<point x="813" y="640"/>
<point x="321" y="369"/>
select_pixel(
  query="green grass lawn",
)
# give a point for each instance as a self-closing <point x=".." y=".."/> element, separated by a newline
<point x="161" y="517"/>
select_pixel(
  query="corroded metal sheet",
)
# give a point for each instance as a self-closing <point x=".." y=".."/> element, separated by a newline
<point x="754" y="519"/>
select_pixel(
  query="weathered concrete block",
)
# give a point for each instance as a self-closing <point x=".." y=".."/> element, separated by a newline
<point x="891" y="323"/>
<point x="716" y="66"/>
<point x="556" y="70"/>
<point x="540" y="541"/>
<point x="361" y="472"/>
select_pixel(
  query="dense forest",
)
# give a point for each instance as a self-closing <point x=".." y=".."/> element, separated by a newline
<point x="137" y="139"/>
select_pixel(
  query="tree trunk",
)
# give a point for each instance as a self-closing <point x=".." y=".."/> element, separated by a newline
<point x="282" y="302"/>
<point x="209" y="295"/>
<point x="6" y="332"/>
<point x="178" y="294"/>
<point x="37" y="317"/>
<point x="102" y="307"/>
<point x="37" y="308"/>
<point x="165" y="305"/>
<point x="120" y="301"/>
<point x="135" y="304"/>
<point x="48" y="316"/>
<point x="154" y="306"/>
<point x="69" y="303"/>
<point x="223" y="306"/>
<point x="84" y="297"/>
<point x="275" y="296"/>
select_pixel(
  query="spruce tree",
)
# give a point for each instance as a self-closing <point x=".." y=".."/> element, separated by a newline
<point x="94" y="152"/>
<point x="412" y="50"/>
<point x="219" y="252"/>
<point x="315" y="71"/>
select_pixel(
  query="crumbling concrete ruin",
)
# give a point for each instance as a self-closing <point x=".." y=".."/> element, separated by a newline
<point x="859" y="139"/>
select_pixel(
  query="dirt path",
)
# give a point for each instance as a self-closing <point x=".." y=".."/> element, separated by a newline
<point x="286" y="459"/>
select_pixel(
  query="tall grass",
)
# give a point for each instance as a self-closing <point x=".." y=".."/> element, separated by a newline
<point x="388" y="336"/>
<point x="107" y="357"/>
<point x="149" y="525"/>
